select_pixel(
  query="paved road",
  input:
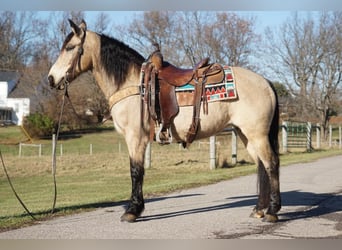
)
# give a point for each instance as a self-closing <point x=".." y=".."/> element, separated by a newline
<point x="312" y="208"/>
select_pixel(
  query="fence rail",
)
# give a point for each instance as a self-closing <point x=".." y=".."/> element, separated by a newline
<point x="300" y="135"/>
<point x="294" y="135"/>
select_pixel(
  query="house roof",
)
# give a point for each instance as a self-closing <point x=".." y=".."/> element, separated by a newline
<point x="12" y="79"/>
<point x="6" y="76"/>
<point x="335" y="120"/>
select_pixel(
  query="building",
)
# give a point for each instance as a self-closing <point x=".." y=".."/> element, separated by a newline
<point x="12" y="110"/>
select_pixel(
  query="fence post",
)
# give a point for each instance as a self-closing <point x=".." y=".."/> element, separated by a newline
<point x="148" y="155"/>
<point x="61" y="149"/>
<point x="20" y="149"/>
<point x="284" y="135"/>
<point x="330" y="136"/>
<point x="212" y="152"/>
<point x="91" y="149"/>
<point x="54" y="154"/>
<point x="340" y="136"/>
<point x="234" y="147"/>
<point x="308" y="136"/>
<point x="318" y="136"/>
<point x="40" y="150"/>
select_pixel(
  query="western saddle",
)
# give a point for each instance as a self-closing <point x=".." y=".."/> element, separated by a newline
<point x="159" y="81"/>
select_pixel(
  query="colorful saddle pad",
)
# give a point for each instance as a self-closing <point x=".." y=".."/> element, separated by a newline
<point x="216" y="92"/>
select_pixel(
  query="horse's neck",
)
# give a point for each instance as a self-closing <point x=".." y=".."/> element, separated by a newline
<point x="105" y="81"/>
<point x="106" y="84"/>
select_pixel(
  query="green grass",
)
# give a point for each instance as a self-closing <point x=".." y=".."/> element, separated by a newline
<point x="87" y="181"/>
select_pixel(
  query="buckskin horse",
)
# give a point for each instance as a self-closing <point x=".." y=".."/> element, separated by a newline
<point x="117" y="70"/>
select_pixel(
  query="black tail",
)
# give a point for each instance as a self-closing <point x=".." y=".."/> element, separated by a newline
<point x="263" y="179"/>
<point x="274" y="129"/>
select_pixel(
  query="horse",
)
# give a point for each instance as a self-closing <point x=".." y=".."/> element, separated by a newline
<point x="117" y="70"/>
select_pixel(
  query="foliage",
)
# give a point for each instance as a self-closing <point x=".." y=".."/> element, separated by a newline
<point x="281" y="89"/>
<point x="38" y="124"/>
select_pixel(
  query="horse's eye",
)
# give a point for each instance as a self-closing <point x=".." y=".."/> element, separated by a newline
<point x="69" y="47"/>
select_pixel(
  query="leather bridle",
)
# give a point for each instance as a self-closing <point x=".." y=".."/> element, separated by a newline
<point x="70" y="74"/>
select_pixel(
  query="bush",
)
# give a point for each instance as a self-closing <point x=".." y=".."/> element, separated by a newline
<point x="38" y="125"/>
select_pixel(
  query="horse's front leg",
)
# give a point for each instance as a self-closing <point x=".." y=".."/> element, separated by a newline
<point x="136" y="204"/>
<point x="136" y="133"/>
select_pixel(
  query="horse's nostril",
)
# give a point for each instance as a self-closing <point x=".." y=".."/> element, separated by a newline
<point x="51" y="81"/>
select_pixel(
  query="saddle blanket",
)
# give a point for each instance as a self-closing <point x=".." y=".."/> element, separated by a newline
<point x="216" y="92"/>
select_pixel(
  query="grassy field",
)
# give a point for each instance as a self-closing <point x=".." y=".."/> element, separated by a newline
<point x="86" y="181"/>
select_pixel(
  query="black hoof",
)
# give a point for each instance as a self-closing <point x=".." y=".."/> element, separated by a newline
<point x="127" y="217"/>
<point x="257" y="214"/>
<point x="270" y="218"/>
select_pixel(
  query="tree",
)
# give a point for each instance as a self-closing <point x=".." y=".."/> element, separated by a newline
<point x="21" y="35"/>
<point x="307" y="56"/>
<point x="233" y="38"/>
<point x="102" y="22"/>
<point x="187" y="37"/>
<point x="60" y="28"/>
<point x="149" y="28"/>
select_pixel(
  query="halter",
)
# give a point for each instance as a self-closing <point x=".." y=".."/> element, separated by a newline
<point x="71" y="71"/>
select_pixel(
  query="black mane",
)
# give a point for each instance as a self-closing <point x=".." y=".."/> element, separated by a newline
<point x="117" y="58"/>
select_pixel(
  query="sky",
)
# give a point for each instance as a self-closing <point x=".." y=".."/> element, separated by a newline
<point x="170" y="5"/>
<point x="272" y="19"/>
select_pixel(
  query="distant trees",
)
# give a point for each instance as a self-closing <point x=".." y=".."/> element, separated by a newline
<point x="187" y="37"/>
<point x="18" y="38"/>
<point x="304" y="53"/>
<point x="307" y="56"/>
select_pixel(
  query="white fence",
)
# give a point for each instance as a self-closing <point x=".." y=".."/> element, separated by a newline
<point x="212" y="150"/>
<point x="38" y="146"/>
<point x="300" y="135"/>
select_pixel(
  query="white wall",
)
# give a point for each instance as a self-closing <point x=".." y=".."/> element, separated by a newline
<point x="3" y="91"/>
<point x="21" y="106"/>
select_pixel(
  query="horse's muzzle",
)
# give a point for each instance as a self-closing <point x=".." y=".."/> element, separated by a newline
<point x="53" y="84"/>
<point x="51" y="81"/>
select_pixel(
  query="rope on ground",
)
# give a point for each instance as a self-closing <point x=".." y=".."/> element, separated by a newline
<point x="12" y="187"/>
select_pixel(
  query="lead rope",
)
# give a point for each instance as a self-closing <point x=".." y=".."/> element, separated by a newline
<point x="53" y="163"/>
<point x="66" y="84"/>
<point x="13" y="189"/>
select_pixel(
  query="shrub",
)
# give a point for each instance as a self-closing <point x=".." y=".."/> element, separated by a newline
<point x="38" y="125"/>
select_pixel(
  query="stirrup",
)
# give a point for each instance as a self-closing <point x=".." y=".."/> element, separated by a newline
<point x="164" y="137"/>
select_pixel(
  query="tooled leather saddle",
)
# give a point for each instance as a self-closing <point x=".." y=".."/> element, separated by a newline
<point x="159" y="81"/>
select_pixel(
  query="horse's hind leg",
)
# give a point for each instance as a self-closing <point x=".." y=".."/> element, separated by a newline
<point x="268" y="174"/>
<point x="263" y="179"/>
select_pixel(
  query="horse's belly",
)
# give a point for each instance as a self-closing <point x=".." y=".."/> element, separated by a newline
<point x="215" y="121"/>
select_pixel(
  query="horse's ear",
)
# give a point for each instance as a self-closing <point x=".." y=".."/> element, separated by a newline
<point x="75" y="29"/>
<point x="83" y="25"/>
